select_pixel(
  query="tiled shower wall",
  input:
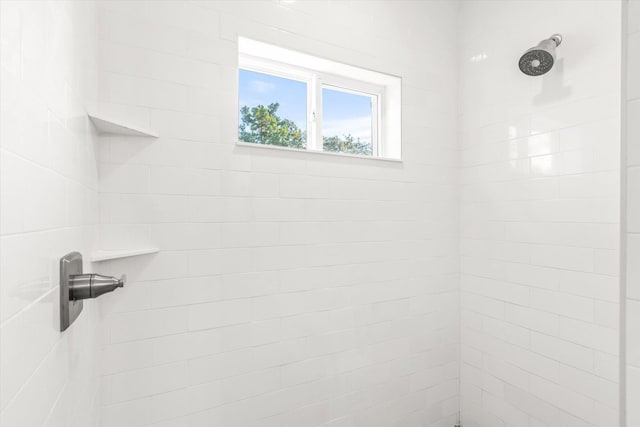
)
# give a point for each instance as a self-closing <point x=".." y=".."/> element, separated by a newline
<point x="539" y="215"/>
<point x="296" y="289"/>
<point x="632" y="224"/>
<point x="48" y="207"/>
<point x="291" y="289"/>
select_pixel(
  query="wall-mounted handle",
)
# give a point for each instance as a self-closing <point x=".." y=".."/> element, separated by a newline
<point x="76" y="286"/>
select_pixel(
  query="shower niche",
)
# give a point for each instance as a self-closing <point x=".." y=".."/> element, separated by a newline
<point x="107" y="125"/>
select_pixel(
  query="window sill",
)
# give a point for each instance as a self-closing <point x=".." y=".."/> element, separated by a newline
<point x="314" y="152"/>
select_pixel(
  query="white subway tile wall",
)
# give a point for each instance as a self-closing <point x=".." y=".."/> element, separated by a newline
<point x="49" y="207"/>
<point x="539" y="215"/>
<point x="291" y="289"/>
<point x="632" y="121"/>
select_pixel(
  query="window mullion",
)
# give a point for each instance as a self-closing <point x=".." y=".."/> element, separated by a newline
<point x="316" y="112"/>
<point x="311" y="114"/>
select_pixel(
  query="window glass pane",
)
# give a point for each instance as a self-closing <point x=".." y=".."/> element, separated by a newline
<point x="347" y="122"/>
<point x="273" y="110"/>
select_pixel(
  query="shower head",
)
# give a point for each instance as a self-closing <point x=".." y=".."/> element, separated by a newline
<point x="538" y="60"/>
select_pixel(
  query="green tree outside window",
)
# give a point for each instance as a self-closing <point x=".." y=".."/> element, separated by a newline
<point x="262" y="125"/>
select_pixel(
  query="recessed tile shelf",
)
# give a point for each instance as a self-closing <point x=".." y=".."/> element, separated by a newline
<point x="115" y="127"/>
<point x="105" y="255"/>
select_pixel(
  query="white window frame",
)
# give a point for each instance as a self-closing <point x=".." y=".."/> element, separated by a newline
<point x="278" y="69"/>
<point x="341" y="84"/>
<point x="316" y="81"/>
<point x="318" y="73"/>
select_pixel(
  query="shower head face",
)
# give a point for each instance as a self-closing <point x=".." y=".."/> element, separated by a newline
<point x="536" y="62"/>
<point x="539" y="60"/>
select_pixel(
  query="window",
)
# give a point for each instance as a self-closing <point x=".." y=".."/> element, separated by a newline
<point x="348" y="121"/>
<point x="273" y="110"/>
<point x="297" y="101"/>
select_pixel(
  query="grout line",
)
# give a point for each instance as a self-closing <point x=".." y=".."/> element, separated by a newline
<point x="18" y="313"/>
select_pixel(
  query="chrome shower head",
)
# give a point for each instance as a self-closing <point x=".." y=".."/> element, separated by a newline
<point x="538" y="60"/>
